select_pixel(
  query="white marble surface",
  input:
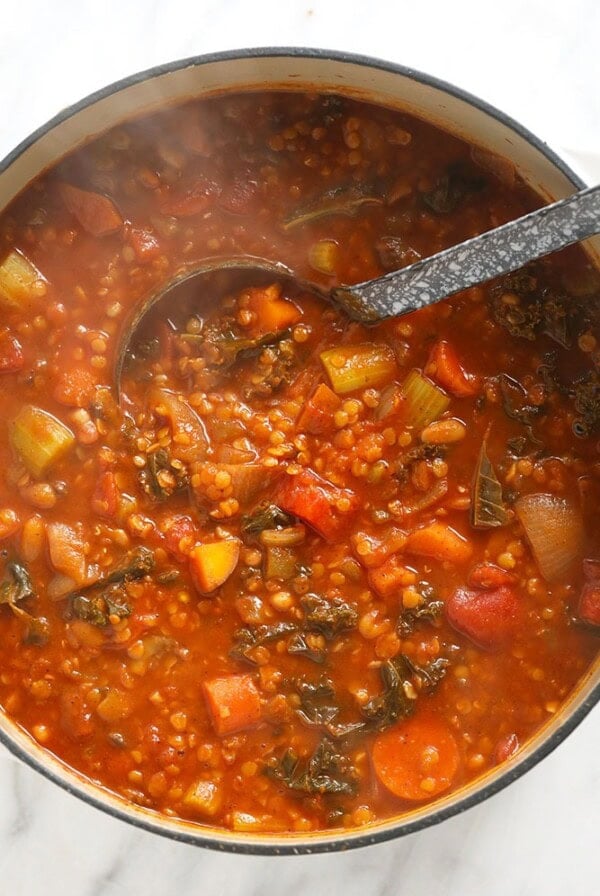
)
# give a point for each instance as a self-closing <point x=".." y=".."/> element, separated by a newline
<point x="538" y="60"/>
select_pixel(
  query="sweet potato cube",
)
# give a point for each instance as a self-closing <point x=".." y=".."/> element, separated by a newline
<point x="233" y="703"/>
<point x="204" y="798"/>
<point x="211" y="564"/>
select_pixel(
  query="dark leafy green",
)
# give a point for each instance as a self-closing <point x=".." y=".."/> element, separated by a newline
<point x="16" y="588"/>
<point x="265" y="516"/>
<point x="392" y="703"/>
<point x="330" y="617"/>
<point x="452" y="189"/>
<point x="487" y="507"/>
<point x="298" y="646"/>
<point x="247" y="639"/>
<point x="98" y="608"/>
<point x="586" y="400"/>
<point x="327" y="771"/>
<point x="408" y="459"/>
<point x="430" y="674"/>
<point x="162" y="476"/>
<point x="319" y="708"/>
<point x="430" y="610"/>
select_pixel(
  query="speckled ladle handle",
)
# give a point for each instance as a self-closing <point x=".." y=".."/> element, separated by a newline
<point x="475" y="261"/>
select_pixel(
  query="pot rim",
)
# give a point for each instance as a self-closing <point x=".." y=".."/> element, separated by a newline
<point x="272" y="844"/>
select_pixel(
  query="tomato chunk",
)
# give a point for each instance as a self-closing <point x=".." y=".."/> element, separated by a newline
<point x="233" y="703"/>
<point x="317" y="415"/>
<point x="488" y="618"/>
<point x="445" y="368"/>
<point x="96" y="213"/>
<point x="324" y="506"/>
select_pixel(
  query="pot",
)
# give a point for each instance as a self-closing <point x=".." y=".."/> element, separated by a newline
<point x="366" y="79"/>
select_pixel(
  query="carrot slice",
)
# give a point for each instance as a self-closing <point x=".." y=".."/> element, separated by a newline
<point x="440" y="542"/>
<point x="74" y="387"/>
<point x="96" y="213"/>
<point x="211" y="564"/>
<point x="417" y="759"/>
<point x="273" y="313"/>
<point x="445" y="368"/>
<point x="233" y="703"/>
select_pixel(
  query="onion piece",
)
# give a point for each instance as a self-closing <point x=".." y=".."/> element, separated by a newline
<point x="554" y="527"/>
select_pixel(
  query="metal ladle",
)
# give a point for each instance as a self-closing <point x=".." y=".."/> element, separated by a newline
<point x="475" y="261"/>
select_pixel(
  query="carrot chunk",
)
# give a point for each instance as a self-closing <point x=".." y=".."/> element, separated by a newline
<point x="233" y="703"/>
<point x="445" y="368"/>
<point x="324" y="506"/>
<point x="273" y="313"/>
<point x="488" y="618"/>
<point x="440" y="542"/>
<point x="416" y="759"/>
<point x="105" y="500"/>
<point x="211" y="564"/>
<point x="96" y="213"/>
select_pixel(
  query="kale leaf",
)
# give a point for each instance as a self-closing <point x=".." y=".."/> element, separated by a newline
<point x="327" y="771"/>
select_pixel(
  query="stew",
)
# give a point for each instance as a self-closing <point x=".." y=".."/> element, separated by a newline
<point x="303" y="573"/>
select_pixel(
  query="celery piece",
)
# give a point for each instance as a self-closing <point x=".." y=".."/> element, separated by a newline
<point x="280" y="563"/>
<point x="352" y="367"/>
<point x="39" y="439"/>
<point x="424" y="402"/>
<point x="17" y="278"/>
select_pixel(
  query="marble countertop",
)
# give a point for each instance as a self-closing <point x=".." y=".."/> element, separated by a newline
<point x="537" y="60"/>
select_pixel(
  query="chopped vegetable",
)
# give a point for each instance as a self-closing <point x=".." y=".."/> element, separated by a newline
<point x="280" y="563"/>
<point x="487" y="504"/>
<point x="18" y="281"/>
<point x="39" y="439"/>
<point x="423" y="402"/>
<point x="317" y="502"/>
<point x="67" y="551"/>
<point x="489" y="618"/>
<point x="440" y="542"/>
<point x="445" y="368"/>
<point x="318" y="413"/>
<point x="430" y="609"/>
<point x="212" y="563"/>
<point x="264" y="517"/>
<point x="189" y="438"/>
<point x="323" y="256"/>
<point x="298" y="645"/>
<point x="416" y="759"/>
<point x="488" y="575"/>
<point x="246" y="640"/>
<point x="452" y="188"/>
<point x="319" y="708"/>
<point x="97" y="609"/>
<point x="16" y="589"/>
<point x="273" y="313"/>
<point x="555" y="530"/>
<point x="330" y="617"/>
<point x="394" y="701"/>
<point x="96" y="213"/>
<point x="163" y="475"/>
<point x="283" y="538"/>
<point x="233" y="703"/>
<point x="352" y="367"/>
<point x="589" y="600"/>
<point x="342" y="200"/>
<point x="204" y="798"/>
<point x="327" y="771"/>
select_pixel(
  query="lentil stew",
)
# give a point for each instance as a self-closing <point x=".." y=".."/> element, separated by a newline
<point x="305" y="574"/>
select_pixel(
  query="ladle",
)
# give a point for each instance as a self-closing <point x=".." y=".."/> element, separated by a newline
<point x="495" y="252"/>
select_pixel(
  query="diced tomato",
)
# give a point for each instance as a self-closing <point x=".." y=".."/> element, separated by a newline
<point x="317" y="502"/>
<point x="489" y="576"/>
<point x="488" y="618"/>
<point x="96" y="213"/>
<point x="317" y="414"/>
<point x="74" y="387"/>
<point x="105" y="500"/>
<point x="233" y="703"/>
<point x="181" y="534"/>
<point x="198" y="198"/>
<point x="144" y="244"/>
<point x="445" y="368"/>
<point x="589" y="601"/>
<point x="75" y="715"/>
<point x="11" y="353"/>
